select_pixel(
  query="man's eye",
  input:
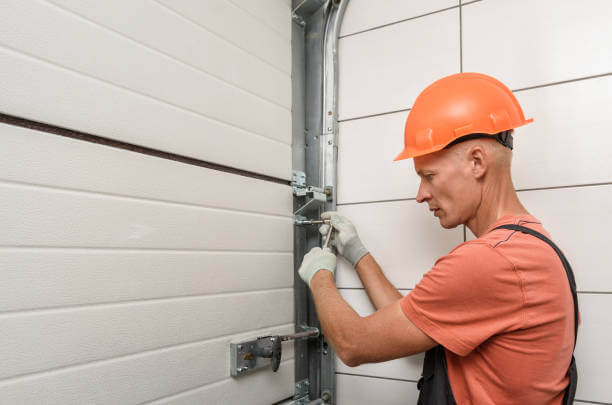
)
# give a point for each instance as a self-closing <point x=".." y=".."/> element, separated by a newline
<point x="428" y="177"/>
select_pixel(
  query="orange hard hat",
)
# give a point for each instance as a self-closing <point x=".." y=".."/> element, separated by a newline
<point x="463" y="105"/>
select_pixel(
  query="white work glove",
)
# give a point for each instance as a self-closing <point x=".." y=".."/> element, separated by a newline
<point x="344" y="237"/>
<point x="315" y="260"/>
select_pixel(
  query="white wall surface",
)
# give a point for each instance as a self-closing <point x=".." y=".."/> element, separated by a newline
<point x="556" y="57"/>
<point x="124" y="277"/>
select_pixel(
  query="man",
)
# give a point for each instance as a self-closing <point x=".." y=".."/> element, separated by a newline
<point x="496" y="314"/>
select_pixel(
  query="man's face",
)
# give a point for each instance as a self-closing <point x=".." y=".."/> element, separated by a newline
<point x="448" y="186"/>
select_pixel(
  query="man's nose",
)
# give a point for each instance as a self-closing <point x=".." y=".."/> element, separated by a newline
<point x="423" y="194"/>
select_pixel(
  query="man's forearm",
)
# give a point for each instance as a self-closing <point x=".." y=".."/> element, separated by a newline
<point x="340" y="322"/>
<point x="377" y="286"/>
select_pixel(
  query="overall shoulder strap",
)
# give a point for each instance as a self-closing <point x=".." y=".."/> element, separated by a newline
<point x="566" y="266"/>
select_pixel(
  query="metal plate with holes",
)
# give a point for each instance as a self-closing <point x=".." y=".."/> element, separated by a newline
<point x="244" y="357"/>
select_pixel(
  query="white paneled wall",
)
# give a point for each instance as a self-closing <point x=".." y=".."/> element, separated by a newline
<point x="124" y="277"/>
<point x="555" y="56"/>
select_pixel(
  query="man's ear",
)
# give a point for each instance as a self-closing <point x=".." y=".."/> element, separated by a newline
<point x="478" y="161"/>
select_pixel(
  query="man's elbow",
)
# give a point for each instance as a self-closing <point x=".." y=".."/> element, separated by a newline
<point x="349" y="355"/>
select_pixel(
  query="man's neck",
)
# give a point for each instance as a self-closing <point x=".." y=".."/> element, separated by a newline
<point x="498" y="200"/>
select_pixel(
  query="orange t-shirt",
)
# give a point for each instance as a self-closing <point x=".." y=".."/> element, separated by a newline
<point x="502" y="307"/>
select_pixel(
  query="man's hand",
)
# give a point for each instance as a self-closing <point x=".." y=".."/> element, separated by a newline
<point x="315" y="260"/>
<point x="344" y="237"/>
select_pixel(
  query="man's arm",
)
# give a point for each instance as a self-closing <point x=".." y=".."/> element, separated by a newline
<point x="377" y="286"/>
<point x="385" y="335"/>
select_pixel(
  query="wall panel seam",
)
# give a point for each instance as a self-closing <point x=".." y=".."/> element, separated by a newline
<point x="134" y="302"/>
<point x="514" y="91"/>
<point x="517" y="190"/>
<point x="144" y="150"/>
<point x="263" y="22"/>
<point x="399" y="21"/>
<point x="166" y="55"/>
<point x="144" y="353"/>
<point x="373" y="115"/>
<point x="579" y="79"/>
<point x="153" y="98"/>
<point x="376" y="377"/>
<point x="121" y="197"/>
<point x="221" y="36"/>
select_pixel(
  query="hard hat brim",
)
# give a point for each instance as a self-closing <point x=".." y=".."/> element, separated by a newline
<point x="408" y="153"/>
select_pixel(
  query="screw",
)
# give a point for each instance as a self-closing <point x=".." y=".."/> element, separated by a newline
<point x="329" y="128"/>
<point x="239" y="347"/>
<point x="329" y="142"/>
<point x="329" y="113"/>
<point x="326" y="396"/>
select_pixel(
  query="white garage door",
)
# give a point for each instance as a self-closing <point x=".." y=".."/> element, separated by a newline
<point x="146" y="213"/>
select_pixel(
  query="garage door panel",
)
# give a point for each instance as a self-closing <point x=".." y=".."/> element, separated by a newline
<point x="77" y="44"/>
<point x="165" y="31"/>
<point x="39" y="340"/>
<point x="77" y="165"/>
<point x="149" y="375"/>
<point x="100" y="108"/>
<point x="236" y="26"/>
<point x="39" y="216"/>
<point x="46" y="278"/>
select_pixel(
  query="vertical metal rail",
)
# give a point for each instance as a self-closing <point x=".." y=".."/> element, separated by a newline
<point x="315" y="151"/>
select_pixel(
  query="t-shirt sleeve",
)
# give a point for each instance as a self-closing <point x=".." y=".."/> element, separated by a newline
<point x="468" y="296"/>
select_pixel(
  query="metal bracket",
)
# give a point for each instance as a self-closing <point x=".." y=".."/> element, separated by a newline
<point x="248" y="355"/>
<point x="316" y="196"/>
<point x="302" y="388"/>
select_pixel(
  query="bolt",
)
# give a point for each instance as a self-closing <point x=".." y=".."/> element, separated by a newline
<point x="325" y="396"/>
<point x="239" y="347"/>
<point x="329" y="113"/>
<point x="329" y="128"/>
<point x="329" y="142"/>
